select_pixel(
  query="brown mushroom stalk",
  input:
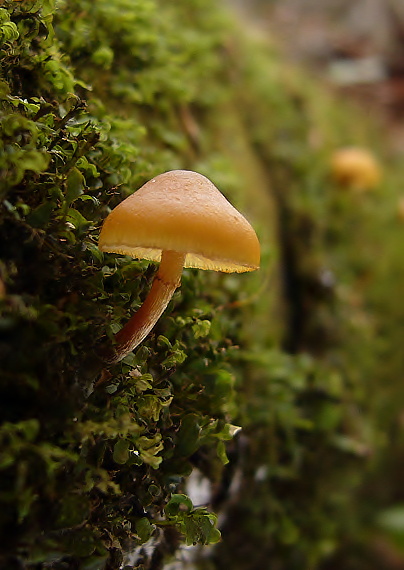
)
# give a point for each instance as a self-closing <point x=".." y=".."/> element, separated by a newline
<point x="166" y="281"/>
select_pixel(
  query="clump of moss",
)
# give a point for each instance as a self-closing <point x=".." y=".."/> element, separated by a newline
<point x="85" y="470"/>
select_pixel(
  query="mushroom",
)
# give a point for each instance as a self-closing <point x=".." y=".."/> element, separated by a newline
<point x="355" y="168"/>
<point x="182" y="220"/>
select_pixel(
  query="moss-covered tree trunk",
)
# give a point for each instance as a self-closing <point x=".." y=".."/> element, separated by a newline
<point x="96" y="98"/>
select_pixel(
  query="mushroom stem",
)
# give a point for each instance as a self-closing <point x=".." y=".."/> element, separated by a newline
<point x="166" y="281"/>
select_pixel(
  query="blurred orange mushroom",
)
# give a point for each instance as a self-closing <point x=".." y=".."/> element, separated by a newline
<point x="355" y="168"/>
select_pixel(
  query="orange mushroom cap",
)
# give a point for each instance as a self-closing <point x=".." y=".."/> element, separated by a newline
<point x="356" y="167"/>
<point x="182" y="211"/>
